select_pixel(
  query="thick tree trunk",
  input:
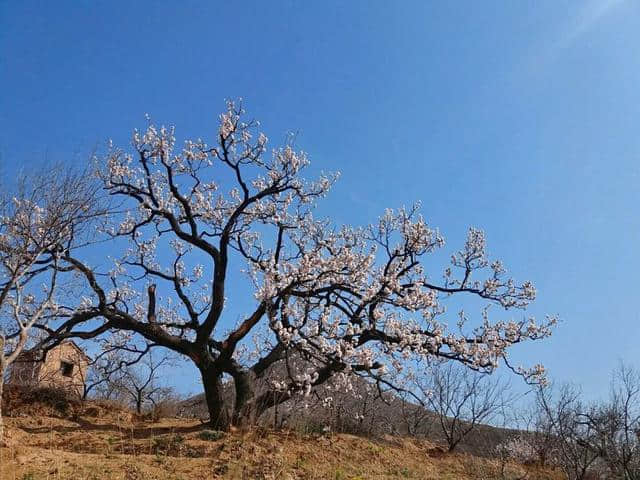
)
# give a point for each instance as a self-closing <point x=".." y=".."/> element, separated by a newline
<point x="245" y="411"/>
<point x="214" y="396"/>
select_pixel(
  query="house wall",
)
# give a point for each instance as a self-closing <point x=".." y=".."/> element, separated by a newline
<point x="24" y="371"/>
<point x="51" y="373"/>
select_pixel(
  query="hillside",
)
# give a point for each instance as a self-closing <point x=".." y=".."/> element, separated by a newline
<point x="98" y="441"/>
<point x="376" y="417"/>
<point x="116" y="448"/>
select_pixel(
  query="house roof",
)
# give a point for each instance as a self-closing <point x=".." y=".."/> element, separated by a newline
<point x="31" y="355"/>
<point x="73" y="344"/>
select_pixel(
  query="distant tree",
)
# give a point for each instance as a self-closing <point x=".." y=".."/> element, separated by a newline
<point x="140" y="382"/>
<point x="617" y="425"/>
<point x="349" y="301"/>
<point x="362" y="410"/>
<point x="416" y="419"/>
<point x="41" y="221"/>
<point x="115" y="354"/>
<point x="517" y="450"/>
<point x="98" y="379"/>
<point x="540" y="436"/>
<point x="574" y="437"/>
<point x="461" y="400"/>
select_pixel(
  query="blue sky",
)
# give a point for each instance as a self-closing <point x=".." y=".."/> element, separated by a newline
<point x="520" y="118"/>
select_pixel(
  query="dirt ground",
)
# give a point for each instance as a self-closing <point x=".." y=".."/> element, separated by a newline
<point x="51" y="437"/>
<point x="115" y="446"/>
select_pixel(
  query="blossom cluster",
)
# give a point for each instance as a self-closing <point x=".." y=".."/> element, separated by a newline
<point x="518" y="449"/>
<point x="347" y="300"/>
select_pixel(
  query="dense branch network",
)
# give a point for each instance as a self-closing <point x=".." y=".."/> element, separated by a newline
<point x="344" y="300"/>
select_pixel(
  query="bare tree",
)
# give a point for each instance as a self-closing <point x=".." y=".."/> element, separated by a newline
<point x="39" y="224"/>
<point x="347" y="300"/>
<point x="140" y="381"/>
<point x="416" y="419"/>
<point x="363" y="410"/>
<point x="518" y="450"/>
<point x="539" y="437"/>
<point x="617" y="425"/>
<point x="99" y="375"/>
<point x="601" y="439"/>
<point x="462" y="400"/>
<point x="575" y="438"/>
<point x="115" y="353"/>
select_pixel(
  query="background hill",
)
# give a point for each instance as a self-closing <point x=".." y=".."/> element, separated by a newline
<point x="362" y="411"/>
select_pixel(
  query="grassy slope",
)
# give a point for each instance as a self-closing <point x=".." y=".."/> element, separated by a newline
<point x="110" y="445"/>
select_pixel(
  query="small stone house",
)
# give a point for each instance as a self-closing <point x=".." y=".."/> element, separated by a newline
<point x="64" y="366"/>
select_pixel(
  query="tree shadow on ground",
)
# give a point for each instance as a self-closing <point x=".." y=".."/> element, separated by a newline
<point x="136" y="431"/>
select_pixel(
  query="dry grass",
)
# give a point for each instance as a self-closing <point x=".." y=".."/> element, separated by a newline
<point x="103" y="441"/>
<point x="112" y="446"/>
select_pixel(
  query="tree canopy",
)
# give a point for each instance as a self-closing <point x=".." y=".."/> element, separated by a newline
<point x="340" y="300"/>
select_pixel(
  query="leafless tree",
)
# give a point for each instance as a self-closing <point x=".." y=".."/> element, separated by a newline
<point x="40" y="223"/>
<point x="539" y="432"/>
<point x="114" y="355"/>
<point x="140" y="382"/>
<point x="99" y="375"/>
<point x="363" y="410"/>
<point x="617" y="425"/>
<point x="575" y="437"/>
<point x="462" y="400"/>
<point x="415" y="418"/>
<point x="518" y="450"/>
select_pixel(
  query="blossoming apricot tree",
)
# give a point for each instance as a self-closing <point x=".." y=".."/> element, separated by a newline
<point x="40" y="222"/>
<point x="344" y="300"/>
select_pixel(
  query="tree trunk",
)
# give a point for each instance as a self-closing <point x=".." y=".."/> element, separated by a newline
<point x="1" y="420"/>
<point x="214" y="396"/>
<point x="139" y="404"/>
<point x="245" y="410"/>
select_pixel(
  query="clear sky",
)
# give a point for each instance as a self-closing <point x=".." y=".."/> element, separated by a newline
<point x="520" y="118"/>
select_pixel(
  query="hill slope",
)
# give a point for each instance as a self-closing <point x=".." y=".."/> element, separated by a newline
<point x="112" y="445"/>
<point x="50" y="436"/>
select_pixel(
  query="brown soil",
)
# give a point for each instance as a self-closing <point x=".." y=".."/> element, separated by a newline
<point x="111" y="444"/>
<point x="50" y="436"/>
